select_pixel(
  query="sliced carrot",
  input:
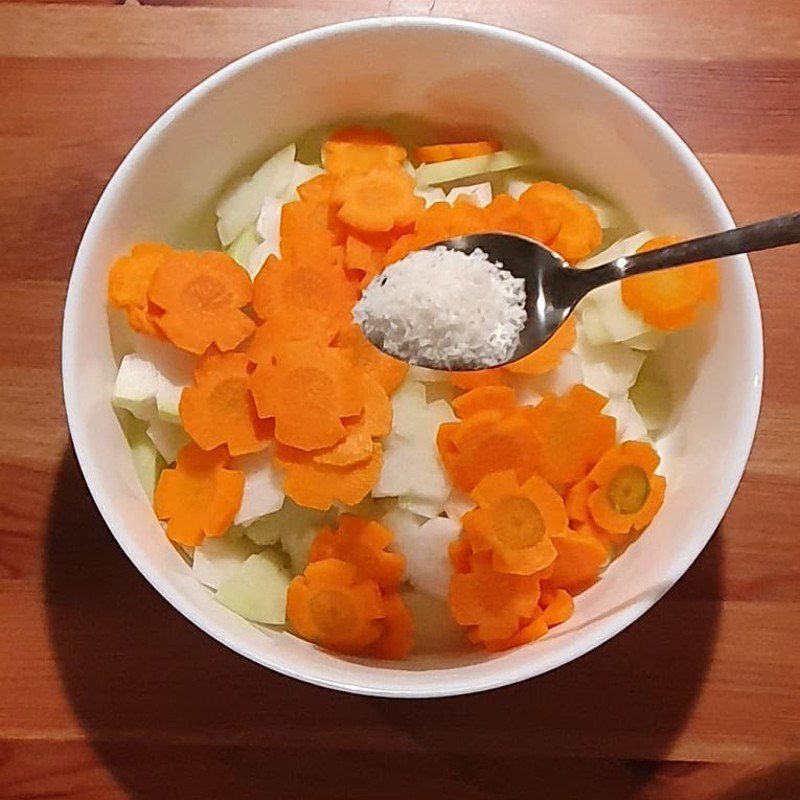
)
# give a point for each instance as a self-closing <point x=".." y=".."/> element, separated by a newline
<point x="671" y="299"/>
<point x="460" y="554"/>
<point x="316" y="485"/>
<point x="199" y="496"/>
<point x="581" y="557"/>
<point x="443" y="221"/>
<point x="549" y="355"/>
<point x="128" y="281"/>
<point x="308" y="391"/>
<point x="478" y="377"/>
<point x="557" y="606"/>
<point x="362" y="261"/>
<point x="317" y="190"/>
<point x="493" y="602"/>
<point x="357" y="149"/>
<point x="356" y="448"/>
<point x="508" y="215"/>
<point x="577" y="501"/>
<point x="485" y="398"/>
<point x="272" y="336"/>
<point x="515" y="523"/>
<point x="378" y="200"/>
<point x="362" y="542"/>
<point x="573" y="434"/>
<point x="529" y="631"/>
<point x="202" y="296"/>
<point x="397" y="638"/>
<point x="331" y="605"/>
<point x="433" y="153"/>
<point x="368" y="359"/>
<point x="219" y="408"/>
<point x="628" y="492"/>
<point x="488" y="442"/>
<point x="377" y="414"/>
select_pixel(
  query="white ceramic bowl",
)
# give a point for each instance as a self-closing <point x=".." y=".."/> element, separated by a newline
<point x="458" y="73"/>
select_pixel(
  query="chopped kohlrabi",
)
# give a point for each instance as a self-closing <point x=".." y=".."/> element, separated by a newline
<point x="424" y="544"/>
<point x="652" y="396"/>
<point x="175" y="371"/>
<point x="430" y="194"/>
<point x="217" y="558"/>
<point x="301" y="173"/>
<point x="417" y="374"/>
<point x="630" y="426"/>
<point x="146" y="460"/>
<point x="610" y="369"/>
<point x="478" y="193"/>
<point x="243" y="245"/>
<point x="622" y="247"/>
<point x="257" y="589"/>
<point x="263" y="487"/>
<point x="459" y="168"/>
<point x="136" y="386"/>
<point x="516" y="188"/>
<point x="168" y="438"/>
<point x="457" y="504"/>
<point x="240" y="207"/>
<point x="605" y="317"/>
<point x="649" y="340"/>
<point x="120" y="333"/>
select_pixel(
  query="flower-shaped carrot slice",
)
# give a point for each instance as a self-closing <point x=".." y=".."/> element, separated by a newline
<point x="219" y="408"/>
<point x="397" y="638"/>
<point x="199" y="496"/>
<point x="317" y="190"/>
<point x="573" y="433"/>
<point x="529" y="631"/>
<point x="460" y="554"/>
<point x="671" y="299"/>
<point x="577" y="500"/>
<point x="378" y="200"/>
<point x="628" y="493"/>
<point x="201" y="295"/>
<point x="362" y="260"/>
<point x="485" y="398"/>
<point x="332" y="606"/>
<point x="273" y="336"/>
<point x="515" y="523"/>
<point x="493" y="602"/>
<point x="549" y="355"/>
<point x="357" y="149"/>
<point x="305" y="228"/>
<point x="557" y="606"/>
<point x="581" y="557"/>
<point x="316" y="485"/>
<point x="433" y="153"/>
<point x="478" y="378"/>
<point x="303" y="293"/>
<point x="506" y="214"/>
<point x="308" y="391"/>
<point x="362" y="542"/>
<point x="488" y="442"/>
<point x="368" y="359"/>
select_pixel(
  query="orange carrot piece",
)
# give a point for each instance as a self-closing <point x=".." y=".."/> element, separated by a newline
<point x="581" y="557"/>
<point x="219" y="408"/>
<point x="485" y="398"/>
<point x="362" y="542"/>
<point x="557" y="606"/>
<point x="368" y="359"/>
<point x="378" y="200"/>
<point x="331" y="605"/>
<point x="362" y="261"/>
<point x="308" y="391"/>
<point x="628" y="492"/>
<point x="577" y="501"/>
<point x="573" y="434"/>
<point x="529" y="631"/>
<point x="508" y="215"/>
<point x="515" y="523"/>
<point x="202" y="296"/>
<point x="128" y="281"/>
<point x="488" y="442"/>
<point x="433" y="153"/>
<point x="671" y="299"/>
<point x="397" y="638"/>
<point x="272" y="336"/>
<point x="317" y="190"/>
<point x="460" y="554"/>
<point x="357" y="149"/>
<point x="199" y="496"/>
<point x="316" y="485"/>
<point x="478" y="378"/>
<point x="493" y="602"/>
<point x="549" y="355"/>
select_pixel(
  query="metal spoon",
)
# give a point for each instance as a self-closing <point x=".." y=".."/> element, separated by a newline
<point x="553" y="288"/>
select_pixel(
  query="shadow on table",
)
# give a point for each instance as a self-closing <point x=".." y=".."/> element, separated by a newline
<point x="173" y="714"/>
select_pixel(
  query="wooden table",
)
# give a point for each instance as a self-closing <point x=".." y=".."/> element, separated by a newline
<point x="105" y="692"/>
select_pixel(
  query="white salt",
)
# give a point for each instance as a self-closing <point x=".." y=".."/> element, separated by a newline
<point x="445" y="309"/>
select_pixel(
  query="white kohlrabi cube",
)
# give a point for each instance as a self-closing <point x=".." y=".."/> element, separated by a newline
<point x="530" y="389"/>
<point x="257" y="589"/>
<point x="243" y="245"/>
<point x="610" y="369"/>
<point x="136" y="386"/>
<point x="516" y="188"/>
<point x="269" y="223"/>
<point x="478" y="193"/>
<point x="430" y="194"/>
<point x="217" y="558"/>
<point x="619" y="323"/>
<point x="168" y="438"/>
<point x="630" y="425"/>
<point x="263" y="486"/>
<point x="301" y="173"/>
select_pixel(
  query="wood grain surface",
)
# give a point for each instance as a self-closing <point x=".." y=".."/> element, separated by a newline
<point x="106" y="692"/>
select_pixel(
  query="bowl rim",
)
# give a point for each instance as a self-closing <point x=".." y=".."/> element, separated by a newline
<point x="440" y="685"/>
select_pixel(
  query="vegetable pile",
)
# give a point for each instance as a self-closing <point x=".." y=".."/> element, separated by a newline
<point x="314" y="481"/>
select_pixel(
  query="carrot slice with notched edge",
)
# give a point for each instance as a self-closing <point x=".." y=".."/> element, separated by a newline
<point x="573" y="434"/>
<point x="581" y="557"/>
<point x="488" y="442"/>
<point x="128" y="281"/>
<point x="557" y="606"/>
<point x="387" y="371"/>
<point x="529" y="631"/>
<point x="478" y="377"/>
<point x="628" y="492"/>
<point x="219" y="408"/>
<point x="378" y="200"/>
<point x="671" y="299"/>
<point x="515" y="523"/>
<point x="362" y="542"/>
<point x="549" y="355"/>
<point x="508" y="215"/>
<point x="357" y="149"/>
<point x="316" y="485"/>
<point x="397" y="638"/>
<point x="362" y="260"/>
<point x="485" y="398"/>
<point x="331" y="605"/>
<point x="272" y="336"/>
<point x="308" y="391"/>
<point x="202" y="296"/>
<point x="318" y="189"/>
<point x="199" y="496"/>
<point x="433" y="153"/>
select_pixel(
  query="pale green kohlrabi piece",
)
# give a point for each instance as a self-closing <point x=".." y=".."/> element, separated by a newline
<point x="218" y="558"/>
<point x="460" y="168"/>
<point x="257" y="589"/>
<point x="263" y="487"/>
<point x="146" y="460"/>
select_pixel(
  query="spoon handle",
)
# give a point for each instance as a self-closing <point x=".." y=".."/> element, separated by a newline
<point x="774" y="232"/>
